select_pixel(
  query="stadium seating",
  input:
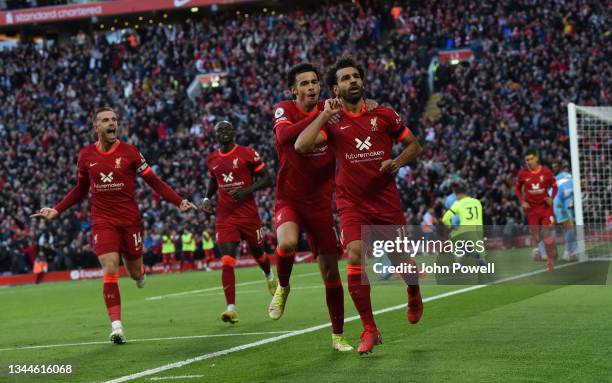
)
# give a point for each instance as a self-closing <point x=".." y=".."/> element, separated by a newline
<point x="531" y="60"/>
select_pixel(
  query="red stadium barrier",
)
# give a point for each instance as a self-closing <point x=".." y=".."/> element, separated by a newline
<point x="83" y="11"/>
<point x="158" y="268"/>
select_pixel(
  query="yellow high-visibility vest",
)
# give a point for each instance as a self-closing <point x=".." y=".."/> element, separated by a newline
<point x="188" y="242"/>
<point x="207" y="244"/>
<point x="168" y="244"/>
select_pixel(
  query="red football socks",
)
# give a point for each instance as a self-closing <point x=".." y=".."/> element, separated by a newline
<point x="551" y="249"/>
<point x="284" y="266"/>
<point x="334" y="296"/>
<point x="359" y="288"/>
<point x="264" y="263"/>
<point x="112" y="298"/>
<point x="228" y="278"/>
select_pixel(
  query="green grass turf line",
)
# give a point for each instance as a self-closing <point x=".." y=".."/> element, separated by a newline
<point x="499" y="333"/>
<point x="74" y="311"/>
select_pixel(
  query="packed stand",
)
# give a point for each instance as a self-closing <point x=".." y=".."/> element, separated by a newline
<point x="531" y="61"/>
<point x="10" y="5"/>
<point x="47" y="96"/>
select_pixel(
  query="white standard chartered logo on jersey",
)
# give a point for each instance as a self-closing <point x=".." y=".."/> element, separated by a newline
<point x="106" y="177"/>
<point x="363" y="145"/>
<point x="228" y="181"/>
<point x="107" y="183"/>
<point x="364" y="154"/>
<point x="228" y="177"/>
<point x="535" y="188"/>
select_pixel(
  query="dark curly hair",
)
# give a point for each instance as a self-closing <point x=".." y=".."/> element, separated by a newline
<point x="344" y="62"/>
<point x="302" y="67"/>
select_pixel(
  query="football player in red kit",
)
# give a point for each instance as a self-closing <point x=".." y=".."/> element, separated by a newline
<point x="532" y="185"/>
<point x="366" y="193"/>
<point x="108" y="170"/>
<point x="304" y="188"/>
<point x="236" y="172"/>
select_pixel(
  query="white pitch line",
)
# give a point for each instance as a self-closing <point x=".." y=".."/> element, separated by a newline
<point x="176" y="377"/>
<point x="144" y="340"/>
<point x="157" y="297"/>
<point x="310" y="329"/>
<point x="262" y="291"/>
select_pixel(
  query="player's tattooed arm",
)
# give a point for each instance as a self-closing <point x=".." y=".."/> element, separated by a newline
<point x="211" y="190"/>
<point x="412" y="149"/>
<point x="264" y="180"/>
<point x="311" y="137"/>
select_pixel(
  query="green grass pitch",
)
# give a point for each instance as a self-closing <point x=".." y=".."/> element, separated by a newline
<point x="504" y="333"/>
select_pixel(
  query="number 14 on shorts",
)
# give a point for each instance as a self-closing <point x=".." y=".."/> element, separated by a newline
<point x="137" y="240"/>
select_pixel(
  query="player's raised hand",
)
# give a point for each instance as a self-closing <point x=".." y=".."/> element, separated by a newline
<point x="332" y="107"/>
<point x="186" y="206"/>
<point x="207" y="206"/>
<point x="47" y="213"/>
<point x="389" y="166"/>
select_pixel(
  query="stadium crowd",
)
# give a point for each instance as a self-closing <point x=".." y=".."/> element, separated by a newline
<point x="21" y="4"/>
<point x="530" y="60"/>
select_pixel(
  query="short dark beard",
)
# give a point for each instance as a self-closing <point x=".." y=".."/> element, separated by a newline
<point x="352" y="98"/>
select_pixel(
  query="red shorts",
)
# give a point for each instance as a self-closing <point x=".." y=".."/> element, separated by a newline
<point x="351" y="221"/>
<point x="235" y="230"/>
<point x="125" y="240"/>
<point x="540" y="216"/>
<point x="318" y="225"/>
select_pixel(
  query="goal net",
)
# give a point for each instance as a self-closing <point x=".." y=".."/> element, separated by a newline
<point x="591" y="155"/>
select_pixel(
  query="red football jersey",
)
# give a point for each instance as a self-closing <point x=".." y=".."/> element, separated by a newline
<point x="234" y="170"/>
<point x="532" y="186"/>
<point x="361" y="142"/>
<point x="112" y="179"/>
<point x="305" y="179"/>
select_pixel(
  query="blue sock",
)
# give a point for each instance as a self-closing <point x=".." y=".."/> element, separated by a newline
<point x="570" y="240"/>
<point x="385" y="262"/>
<point x="542" y="248"/>
<point x="480" y="259"/>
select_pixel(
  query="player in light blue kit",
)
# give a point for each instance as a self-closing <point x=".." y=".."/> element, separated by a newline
<point x="450" y="200"/>
<point x="564" y="214"/>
